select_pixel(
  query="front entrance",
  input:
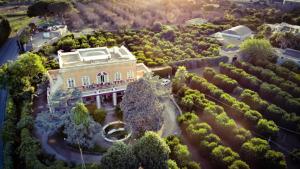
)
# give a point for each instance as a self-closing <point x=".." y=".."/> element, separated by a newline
<point x="105" y="100"/>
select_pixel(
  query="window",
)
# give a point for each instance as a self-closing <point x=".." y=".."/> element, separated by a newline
<point x="130" y="75"/>
<point x="71" y="83"/>
<point x="85" y="81"/>
<point x="117" y="76"/>
<point x="102" y="77"/>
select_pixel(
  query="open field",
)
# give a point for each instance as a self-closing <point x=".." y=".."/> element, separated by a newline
<point x="17" y="16"/>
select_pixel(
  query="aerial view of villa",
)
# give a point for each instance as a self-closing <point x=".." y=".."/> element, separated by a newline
<point x="101" y="74"/>
<point x="149" y="84"/>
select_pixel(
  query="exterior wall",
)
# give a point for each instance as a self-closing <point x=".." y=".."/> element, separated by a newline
<point x="92" y="71"/>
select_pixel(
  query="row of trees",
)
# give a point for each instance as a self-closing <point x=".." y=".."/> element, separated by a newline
<point x="267" y="91"/>
<point x="275" y="159"/>
<point x="258" y="152"/>
<point x="281" y="71"/>
<point x="289" y="120"/>
<point x="21" y="149"/>
<point x="251" y="117"/>
<point x="215" y="115"/>
<point x="19" y="144"/>
<point x="270" y="111"/>
<point x="180" y="155"/>
<point x="269" y="76"/>
<point x="222" y="156"/>
<point x="220" y="80"/>
<point x="154" y="47"/>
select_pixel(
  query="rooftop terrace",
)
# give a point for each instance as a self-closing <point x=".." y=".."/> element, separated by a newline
<point x="101" y="55"/>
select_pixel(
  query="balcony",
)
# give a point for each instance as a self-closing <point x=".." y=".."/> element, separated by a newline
<point x="95" y="89"/>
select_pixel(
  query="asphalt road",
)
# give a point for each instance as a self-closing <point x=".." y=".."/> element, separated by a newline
<point x="9" y="51"/>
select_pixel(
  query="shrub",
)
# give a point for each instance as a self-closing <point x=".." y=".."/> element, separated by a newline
<point x="266" y="127"/>
<point x="99" y="115"/>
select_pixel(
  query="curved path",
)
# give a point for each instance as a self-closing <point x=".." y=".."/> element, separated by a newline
<point x="60" y="150"/>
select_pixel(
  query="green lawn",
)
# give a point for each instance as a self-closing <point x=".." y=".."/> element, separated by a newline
<point x="17" y="23"/>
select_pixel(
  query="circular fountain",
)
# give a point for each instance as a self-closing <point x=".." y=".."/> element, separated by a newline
<point x="116" y="131"/>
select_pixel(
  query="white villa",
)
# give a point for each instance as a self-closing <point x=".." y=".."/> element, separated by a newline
<point x="99" y="74"/>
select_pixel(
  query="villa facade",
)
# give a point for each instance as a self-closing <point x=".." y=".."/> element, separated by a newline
<point x="99" y="74"/>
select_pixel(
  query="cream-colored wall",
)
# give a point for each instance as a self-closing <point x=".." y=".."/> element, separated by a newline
<point x="93" y="70"/>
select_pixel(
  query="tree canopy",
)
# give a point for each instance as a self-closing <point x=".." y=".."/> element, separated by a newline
<point x="257" y="48"/>
<point x="152" y="151"/>
<point x="48" y="7"/>
<point x="5" y="30"/>
<point x="141" y="107"/>
<point x="119" y="156"/>
<point x="23" y="75"/>
<point x="80" y="128"/>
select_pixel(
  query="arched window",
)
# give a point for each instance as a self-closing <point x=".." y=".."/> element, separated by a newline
<point x="102" y="77"/>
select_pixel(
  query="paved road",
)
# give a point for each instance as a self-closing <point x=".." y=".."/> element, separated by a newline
<point x="3" y="96"/>
<point x="9" y="51"/>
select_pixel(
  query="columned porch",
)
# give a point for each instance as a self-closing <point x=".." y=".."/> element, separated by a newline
<point x="105" y="99"/>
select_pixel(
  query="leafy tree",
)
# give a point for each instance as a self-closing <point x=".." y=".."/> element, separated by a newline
<point x="66" y="44"/>
<point x="99" y="115"/>
<point x="80" y="128"/>
<point x="39" y="8"/>
<point x="172" y="164"/>
<point x="141" y="107"/>
<point x="257" y="48"/>
<point x="5" y="30"/>
<point x="59" y="7"/>
<point x="152" y="151"/>
<point x="49" y="7"/>
<point x="23" y="75"/>
<point x="198" y="131"/>
<point x="80" y="114"/>
<point x="255" y="148"/>
<point x="267" y="127"/>
<point x="188" y="118"/>
<point x="179" y="78"/>
<point x="119" y="156"/>
<point x="224" y="155"/>
<point x="193" y="165"/>
<point x="275" y="160"/>
<point x="238" y="164"/>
